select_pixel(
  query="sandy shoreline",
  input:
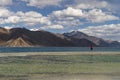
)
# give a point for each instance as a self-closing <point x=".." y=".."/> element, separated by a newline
<point x="58" y="53"/>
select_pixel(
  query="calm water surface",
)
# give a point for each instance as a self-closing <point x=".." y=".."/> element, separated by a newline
<point x="56" y="49"/>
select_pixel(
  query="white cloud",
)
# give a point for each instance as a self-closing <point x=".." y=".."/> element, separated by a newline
<point x="93" y="15"/>
<point x="61" y="19"/>
<point x="53" y="27"/>
<point x="30" y="17"/>
<point x="30" y="14"/>
<point x="11" y="19"/>
<point x="5" y="13"/>
<point x="90" y="4"/>
<point x="69" y="23"/>
<point x="97" y="15"/>
<point x="66" y="17"/>
<point x="69" y="12"/>
<point x="43" y="3"/>
<point x="109" y="5"/>
<point x="111" y="31"/>
<point x="5" y="2"/>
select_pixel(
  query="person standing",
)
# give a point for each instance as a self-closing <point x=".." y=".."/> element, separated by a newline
<point x="91" y="47"/>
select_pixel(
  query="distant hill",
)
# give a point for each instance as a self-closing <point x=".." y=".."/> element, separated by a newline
<point x="97" y="41"/>
<point x="21" y="37"/>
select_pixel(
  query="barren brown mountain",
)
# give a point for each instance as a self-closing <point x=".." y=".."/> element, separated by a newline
<point x="21" y="37"/>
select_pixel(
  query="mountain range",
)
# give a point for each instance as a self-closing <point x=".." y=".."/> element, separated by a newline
<point x="97" y="41"/>
<point x="22" y="37"/>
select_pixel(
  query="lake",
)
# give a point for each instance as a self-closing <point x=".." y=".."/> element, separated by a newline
<point x="56" y="49"/>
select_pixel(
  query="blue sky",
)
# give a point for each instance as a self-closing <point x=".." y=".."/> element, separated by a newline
<point x="99" y="18"/>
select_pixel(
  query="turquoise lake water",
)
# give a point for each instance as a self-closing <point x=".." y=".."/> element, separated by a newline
<point x="55" y="49"/>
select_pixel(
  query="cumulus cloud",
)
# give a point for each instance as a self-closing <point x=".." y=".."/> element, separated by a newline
<point x="73" y="16"/>
<point x="109" y="5"/>
<point x="43" y="3"/>
<point x="11" y="19"/>
<point x="90" y="4"/>
<point x="93" y="15"/>
<point x="97" y="15"/>
<point x="30" y="17"/>
<point x="5" y="2"/>
<point x="29" y="14"/>
<point x="69" y="12"/>
<point x="67" y="17"/>
<point x="111" y="31"/>
<point x="53" y="27"/>
<point x="5" y="13"/>
<point x="69" y="23"/>
<point x="114" y="6"/>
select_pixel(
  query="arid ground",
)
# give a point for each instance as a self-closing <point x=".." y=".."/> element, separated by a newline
<point x="60" y="66"/>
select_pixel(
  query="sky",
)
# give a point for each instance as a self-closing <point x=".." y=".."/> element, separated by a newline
<point x="100" y="18"/>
